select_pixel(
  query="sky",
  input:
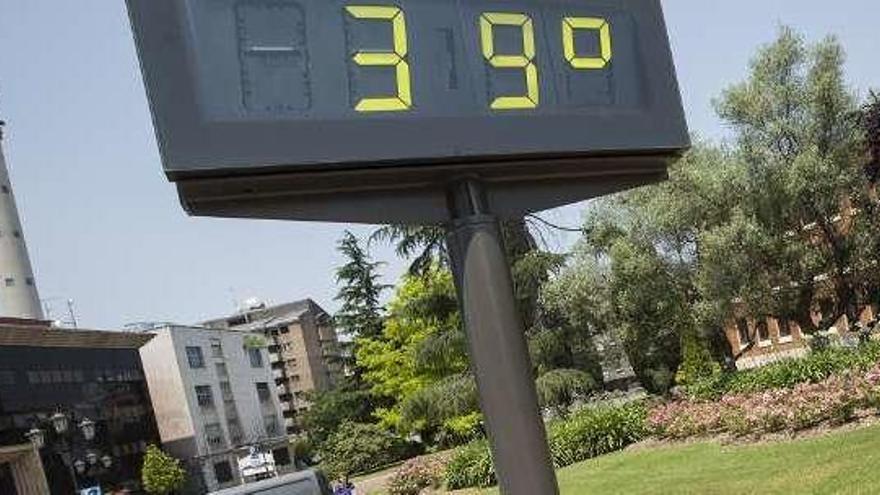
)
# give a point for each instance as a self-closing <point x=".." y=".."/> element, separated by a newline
<point x="105" y="228"/>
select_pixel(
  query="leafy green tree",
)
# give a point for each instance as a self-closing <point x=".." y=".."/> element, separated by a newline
<point x="422" y="343"/>
<point x="332" y="408"/>
<point x="559" y="388"/>
<point x="799" y="144"/>
<point x="357" y="448"/>
<point x="161" y="474"/>
<point x="360" y="291"/>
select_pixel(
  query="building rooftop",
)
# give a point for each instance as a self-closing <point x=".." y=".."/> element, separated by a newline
<point x="39" y="333"/>
<point x="258" y="319"/>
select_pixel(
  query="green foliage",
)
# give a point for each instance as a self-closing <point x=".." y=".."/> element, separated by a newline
<point x="594" y="432"/>
<point x="421" y="346"/>
<point x="471" y="466"/>
<point x="161" y="474"/>
<point x="559" y="388"/>
<point x="430" y="408"/>
<point x="331" y="409"/>
<point x="788" y="373"/>
<point x="253" y="341"/>
<point x="360" y="291"/>
<point x="586" y="434"/>
<point x="357" y="448"/>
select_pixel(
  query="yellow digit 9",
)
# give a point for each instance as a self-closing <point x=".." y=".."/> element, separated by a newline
<point x="487" y="22"/>
<point x="396" y="58"/>
<point x="569" y="25"/>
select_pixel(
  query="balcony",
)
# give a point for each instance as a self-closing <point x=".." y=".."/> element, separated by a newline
<point x="283" y="389"/>
<point x="286" y="406"/>
<point x="274" y="357"/>
<point x="278" y="374"/>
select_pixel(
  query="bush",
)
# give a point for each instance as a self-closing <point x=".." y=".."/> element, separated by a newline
<point x="416" y="475"/>
<point x="594" y="432"/>
<point x="834" y="400"/>
<point x="161" y="474"/>
<point x="788" y="373"/>
<point x="585" y="434"/>
<point x="358" y="448"/>
<point x="471" y="466"/>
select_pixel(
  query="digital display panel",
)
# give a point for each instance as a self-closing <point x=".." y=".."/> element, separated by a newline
<point x="242" y="88"/>
<point x="301" y="59"/>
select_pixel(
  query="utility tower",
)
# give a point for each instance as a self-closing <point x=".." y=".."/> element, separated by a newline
<point x="18" y="290"/>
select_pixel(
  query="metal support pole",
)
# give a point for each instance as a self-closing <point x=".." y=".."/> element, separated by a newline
<point x="497" y="345"/>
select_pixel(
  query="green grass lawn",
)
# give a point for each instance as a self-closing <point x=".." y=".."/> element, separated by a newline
<point x="837" y="463"/>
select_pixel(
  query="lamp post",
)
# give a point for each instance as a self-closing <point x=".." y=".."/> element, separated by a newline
<point x="72" y="445"/>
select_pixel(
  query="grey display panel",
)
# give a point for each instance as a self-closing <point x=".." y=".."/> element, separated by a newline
<point x="240" y="88"/>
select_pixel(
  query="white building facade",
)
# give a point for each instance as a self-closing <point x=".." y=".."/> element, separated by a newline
<point x="213" y="397"/>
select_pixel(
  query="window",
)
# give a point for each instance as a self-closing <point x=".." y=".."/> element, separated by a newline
<point x="5" y="189"/>
<point x="29" y="281"/>
<point x="263" y="392"/>
<point x="236" y="436"/>
<point x="255" y="356"/>
<point x="763" y="332"/>
<point x="282" y="456"/>
<point x="226" y="392"/>
<point x="271" y="423"/>
<point x="204" y="396"/>
<point x="742" y="327"/>
<point x="784" y="329"/>
<point x="16" y="234"/>
<point x="216" y="348"/>
<point x="10" y="282"/>
<point x="214" y="435"/>
<point x="7" y="377"/>
<point x="195" y="357"/>
<point x="223" y="472"/>
<point x="222" y="371"/>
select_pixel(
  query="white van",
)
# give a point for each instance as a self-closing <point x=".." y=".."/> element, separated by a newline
<point x="300" y="483"/>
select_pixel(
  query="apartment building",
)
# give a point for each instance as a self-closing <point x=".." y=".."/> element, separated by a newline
<point x="212" y="393"/>
<point x="303" y="350"/>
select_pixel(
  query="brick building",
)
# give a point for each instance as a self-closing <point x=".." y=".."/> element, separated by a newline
<point x="303" y="349"/>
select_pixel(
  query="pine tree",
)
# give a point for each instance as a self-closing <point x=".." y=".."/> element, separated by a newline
<point x="360" y="291"/>
<point x="161" y="473"/>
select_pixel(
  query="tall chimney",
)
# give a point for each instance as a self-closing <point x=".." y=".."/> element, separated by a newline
<point x="18" y="290"/>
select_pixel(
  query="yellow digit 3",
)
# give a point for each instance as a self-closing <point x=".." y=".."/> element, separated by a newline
<point x="395" y="58"/>
<point x="488" y="20"/>
<point x="569" y="25"/>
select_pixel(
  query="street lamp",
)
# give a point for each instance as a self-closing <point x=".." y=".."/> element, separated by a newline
<point x="87" y="426"/>
<point x="59" y="422"/>
<point x="65" y="440"/>
<point x="37" y="437"/>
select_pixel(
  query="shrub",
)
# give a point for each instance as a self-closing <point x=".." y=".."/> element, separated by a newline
<point x="471" y="466"/>
<point x="788" y="373"/>
<point x="592" y="432"/>
<point x="416" y="475"/>
<point x="833" y="400"/>
<point x="161" y="474"/>
<point x="358" y="448"/>
<point x="587" y="433"/>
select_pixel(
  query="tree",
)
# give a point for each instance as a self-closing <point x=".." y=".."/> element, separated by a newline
<point x="360" y="293"/>
<point x="356" y="448"/>
<point x="361" y="313"/>
<point x="161" y="474"/>
<point x="559" y="388"/>
<point x="330" y="409"/>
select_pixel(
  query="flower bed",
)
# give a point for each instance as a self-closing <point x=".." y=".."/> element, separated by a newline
<point x="834" y="400"/>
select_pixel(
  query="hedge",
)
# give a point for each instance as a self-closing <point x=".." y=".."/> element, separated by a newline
<point x="587" y="433"/>
<point x="813" y="368"/>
